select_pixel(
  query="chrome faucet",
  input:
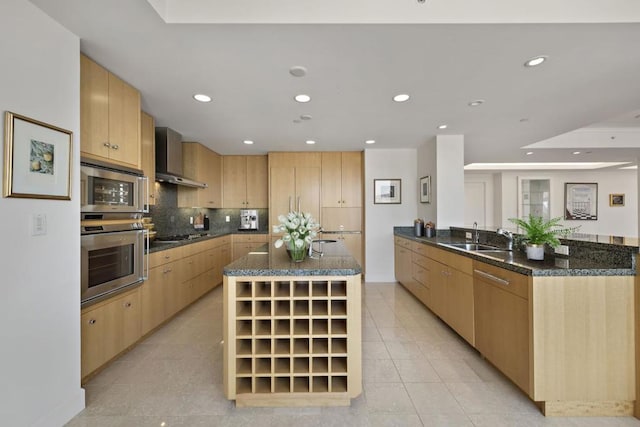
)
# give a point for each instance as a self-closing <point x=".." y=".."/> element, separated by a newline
<point x="508" y="235"/>
<point x="476" y="235"/>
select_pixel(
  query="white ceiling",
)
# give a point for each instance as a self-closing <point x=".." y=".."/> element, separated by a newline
<point x="590" y="79"/>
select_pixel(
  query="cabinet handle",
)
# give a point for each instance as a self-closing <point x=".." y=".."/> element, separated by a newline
<point x="492" y="277"/>
<point x="343" y="202"/>
<point x="168" y="270"/>
<point x="106" y="144"/>
<point x="167" y="256"/>
<point x="151" y="196"/>
<point x="127" y="304"/>
<point x="92" y="321"/>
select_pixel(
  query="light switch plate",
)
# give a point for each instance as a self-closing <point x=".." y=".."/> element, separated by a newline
<point x="562" y="250"/>
<point x="227" y="219"/>
<point x="468" y="235"/>
<point x="38" y="224"/>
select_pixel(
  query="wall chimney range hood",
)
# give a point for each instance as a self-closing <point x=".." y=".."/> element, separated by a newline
<point x="169" y="159"/>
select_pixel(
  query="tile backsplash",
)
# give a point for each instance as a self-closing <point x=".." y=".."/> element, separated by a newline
<point x="170" y="220"/>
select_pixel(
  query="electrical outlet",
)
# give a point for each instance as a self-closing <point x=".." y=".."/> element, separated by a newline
<point x="191" y="220"/>
<point x="468" y="235"/>
<point x="562" y="250"/>
<point x="227" y="219"/>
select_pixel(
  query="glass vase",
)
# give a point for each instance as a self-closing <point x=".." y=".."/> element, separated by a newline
<point x="297" y="254"/>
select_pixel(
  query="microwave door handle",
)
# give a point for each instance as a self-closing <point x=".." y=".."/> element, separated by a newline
<point x="144" y="195"/>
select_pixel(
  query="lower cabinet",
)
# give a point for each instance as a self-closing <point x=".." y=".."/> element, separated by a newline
<point x="502" y="321"/>
<point x="245" y="243"/>
<point x="177" y="277"/>
<point x="108" y="328"/>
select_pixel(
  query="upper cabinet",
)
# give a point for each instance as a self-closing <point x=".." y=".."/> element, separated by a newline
<point x="342" y="179"/>
<point x="201" y="164"/>
<point x="109" y="116"/>
<point x="148" y="138"/>
<point x="245" y="182"/>
<point x="294" y="182"/>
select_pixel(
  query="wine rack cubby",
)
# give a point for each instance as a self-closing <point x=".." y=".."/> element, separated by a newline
<point x="291" y="342"/>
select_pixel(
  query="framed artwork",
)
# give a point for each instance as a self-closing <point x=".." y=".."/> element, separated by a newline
<point x="616" y="200"/>
<point x="37" y="159"/>
<point x="581" y="201"/>
<point x="387" y="191"/>
<point x="425" y="189"/>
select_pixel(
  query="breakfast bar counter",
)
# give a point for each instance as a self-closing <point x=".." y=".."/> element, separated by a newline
<point x="292" y="331"/>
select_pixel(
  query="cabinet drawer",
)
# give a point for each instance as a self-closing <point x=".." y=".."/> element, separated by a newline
<point x="459" y="262"/>
<point x="221" y="241"/>
<point x="250" y="238"/>
<point x="420" y="260"/>
<point x="420" y="274"/>
<point x="405" y="243"/>
<point x="510" y="281"/>
<point x="163" y="257"/>
<point x="419" y="248"/>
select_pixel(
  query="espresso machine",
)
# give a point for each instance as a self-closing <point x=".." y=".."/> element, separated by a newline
<point x="248" y="219"/>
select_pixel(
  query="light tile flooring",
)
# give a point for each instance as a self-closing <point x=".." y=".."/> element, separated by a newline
<point x="416" y="371"/>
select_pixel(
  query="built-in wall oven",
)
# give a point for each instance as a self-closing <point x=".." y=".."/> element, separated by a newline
<point x="112" y="235"/>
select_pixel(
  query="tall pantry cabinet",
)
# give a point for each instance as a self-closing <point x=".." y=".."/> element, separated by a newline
<point x="294" y="181"/>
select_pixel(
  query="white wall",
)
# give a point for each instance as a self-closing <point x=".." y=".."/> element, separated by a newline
<point x="40" y="285"/>
<point x="427" y="165"/>
<point x="450" y="182"/>
<point x="616" y="221"/>
<point x="380" y="219"/>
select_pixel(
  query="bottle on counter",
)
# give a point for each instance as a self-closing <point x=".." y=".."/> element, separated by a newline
<point x="418" y="227"/>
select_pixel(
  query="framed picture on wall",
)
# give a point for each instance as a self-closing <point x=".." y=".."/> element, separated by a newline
<point x="37" y="159"/>
<point x="387" y="191"/>
<point x="581" y="201"/>
<point x="616" y="200"/>
<point x="425" y="189"/>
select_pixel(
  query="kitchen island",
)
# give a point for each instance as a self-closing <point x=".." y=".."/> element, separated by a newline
<point x="292" y="331"/>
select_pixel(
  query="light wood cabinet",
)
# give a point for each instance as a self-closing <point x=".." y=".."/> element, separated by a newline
<point x="148" y="155"/>
<point x="107" y="329"/>
<point x="109" y="116"/>
<point x="502" y="321"/>
<point x="294" y="180"/>
<point x="242" y="244"/>
<point x="342" y="179"/>
<point x="245" y="182"/>
<point x="201" y="164"/>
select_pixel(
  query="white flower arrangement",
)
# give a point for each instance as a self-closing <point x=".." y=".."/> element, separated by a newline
<point x="299" y="229"/>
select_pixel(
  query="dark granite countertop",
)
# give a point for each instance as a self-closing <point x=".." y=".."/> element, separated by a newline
<point x="157" y="246"/>
<point x="517" y="261"/>
<point x="270" y="261"/>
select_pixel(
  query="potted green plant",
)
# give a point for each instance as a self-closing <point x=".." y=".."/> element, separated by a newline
<point x="538" y="232"/>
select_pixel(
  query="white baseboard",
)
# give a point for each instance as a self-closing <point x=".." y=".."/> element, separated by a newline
<point x="63" y="413"/>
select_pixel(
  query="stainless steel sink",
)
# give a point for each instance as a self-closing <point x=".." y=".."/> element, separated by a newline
<point x="477" y="247"/>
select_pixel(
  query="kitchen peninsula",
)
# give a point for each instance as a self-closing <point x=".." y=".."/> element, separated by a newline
<point x="292" y="331"/>
<point x="561" y="329"/>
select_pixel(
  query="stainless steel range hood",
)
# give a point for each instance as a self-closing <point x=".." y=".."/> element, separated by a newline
<point x="169" y="159"/>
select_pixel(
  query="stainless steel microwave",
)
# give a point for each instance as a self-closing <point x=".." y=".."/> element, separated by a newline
<point x="109" y="190"/>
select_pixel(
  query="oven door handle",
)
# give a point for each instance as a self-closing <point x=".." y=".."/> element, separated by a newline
<point x="145" y="255"/>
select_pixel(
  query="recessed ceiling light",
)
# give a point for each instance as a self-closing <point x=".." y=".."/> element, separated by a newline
<point x="370" y="141"/>
<point x="442" y="127"/>
<point x="298" y="71"/>
<point x="306" y="117"/>
<point x="529" y="153"/>
<point x="248" y="142"/>
<point x="402" y="97"/>
<point x="202" y="97"/>
<point x="536" y="61"/>
<point x="576" y="152"/>
<point x="476" y="103"/>
<point x="310" y="142"/>
<point x="302" y="98"/>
